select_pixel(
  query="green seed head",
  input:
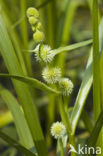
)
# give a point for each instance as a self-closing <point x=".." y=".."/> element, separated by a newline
<point x="33" y="20"/>
<point x="32" y="12"/>
<point x="38" y="36"/>
<point x="58" y="130"/>
<point x="51" y="75"/>
<point x="66" y="86"/>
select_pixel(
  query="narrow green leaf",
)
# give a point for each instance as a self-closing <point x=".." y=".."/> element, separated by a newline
<point x="64" y="140"/>
<point x="20" y="122"/>
<point x="88" y="123"/>
<point x="70" y="10"/>
<point x="31" y="81"/>
<point x="22" y="90"/>
<point x="15" y="144"/>
<point x="85" y="87"/>
<point x="96" y="67"/>
<point x="81" y="98"/>
<point x="71" y="47"/>
<point x="96" y="130"/>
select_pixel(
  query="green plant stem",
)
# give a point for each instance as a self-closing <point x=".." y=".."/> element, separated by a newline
<point x="96" y="65"/>
<point x="61" y="147"/>
<point x="23" y="27"/>
<point x="70" y="12"/>
<point x="96" y="68"/>
<point x="66" y="121"/>
<point x="51" y="17"/>
<point x="51" y="117"/>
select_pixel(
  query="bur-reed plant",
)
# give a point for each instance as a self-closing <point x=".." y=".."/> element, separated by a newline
<point x="50" y="55"/>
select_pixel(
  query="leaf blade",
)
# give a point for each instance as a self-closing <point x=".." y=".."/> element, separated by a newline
<point x="16" y="144"/>
<point x="31" y="81"/>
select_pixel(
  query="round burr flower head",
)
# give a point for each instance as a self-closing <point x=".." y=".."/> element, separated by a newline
<point x="51" y="75"/>
<point x="66" y="86"/>
<point x="43" y="53"/>
<point x="58" y="130"/>
<point x="38" y="36"/>
<point x="32" y="12"/>
<point x="33" y="20"/>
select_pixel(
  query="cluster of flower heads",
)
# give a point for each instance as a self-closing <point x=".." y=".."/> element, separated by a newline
<point x="33" y="18"/>
<point x="51" y="75"/>
<point x="43" y="53"/>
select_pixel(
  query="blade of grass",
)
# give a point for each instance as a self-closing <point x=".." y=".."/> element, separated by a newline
<point x="96" y="66"/>
<point x="52" y="21"/>
<point x="88" y="123"/>
<point x="68" y="48"/>
<point x="85" y="87"/>
<point x="81" y="98"/>
<point x="96" y="130"/>
<point x="31" y="81"/>
<point x="22" y="90"/>
<point x="14" y="37"/>
<point x="20" y="122"/>
<point x="70" y="12"/>
<point x="15" y="144"/>
<point x="71" y="47"/>
<point x="23" y="28"/>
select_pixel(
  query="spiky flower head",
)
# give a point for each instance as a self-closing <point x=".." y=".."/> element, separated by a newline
<point x="51" y="75"/>
<point x="32" y="12"/>
<point x="38" y="36"/>
<point x="58" y="130"/>
<point x="66" y="86"/>
<point x="33" y="20"/>
<point x="43" y="53"/>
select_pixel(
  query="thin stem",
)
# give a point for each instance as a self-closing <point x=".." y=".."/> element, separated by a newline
<point x="96" y="68"/>
<point x="61" y="147"/>
<point x="23" y="27"/>
<point x="66" y="121"/>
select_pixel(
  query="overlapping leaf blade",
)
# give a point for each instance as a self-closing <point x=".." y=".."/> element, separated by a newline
<point x="22" y="90"/>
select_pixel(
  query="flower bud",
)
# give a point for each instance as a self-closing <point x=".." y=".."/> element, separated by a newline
<point x="33" y="28"/>
<point x="58" y="130"/>
<point x="66" y="86"/>
<point x="38" y="36"/>
<point x="39" y="26"/>
<point x="32" y="12"/>
<point x="51" y="75"/>
<point x="33" y="20"/>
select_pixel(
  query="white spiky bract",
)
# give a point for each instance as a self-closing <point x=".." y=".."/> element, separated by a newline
<point x="43" y="53"/>
<point x="58" y="130"/>
<point x="51" y="75"/>
<point x="66" y="86"/>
